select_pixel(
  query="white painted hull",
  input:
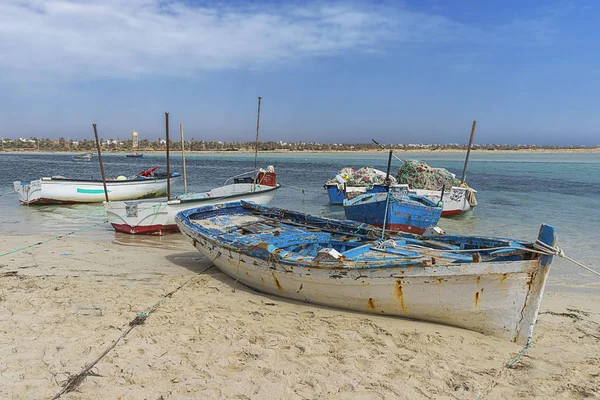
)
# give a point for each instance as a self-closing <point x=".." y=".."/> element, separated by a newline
<point x="53" y="191"/>
<point x="500" y="299"/>
<point x="455" y="199"/>
<point x="154" y="217"/>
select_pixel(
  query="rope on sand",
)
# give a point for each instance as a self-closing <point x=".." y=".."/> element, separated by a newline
<point x="59" y="237"/>
<point x="543" y="249"/>
<point x="74" y="381"/>
<point x="505" y="367"/>
<point x="518" y="356"/>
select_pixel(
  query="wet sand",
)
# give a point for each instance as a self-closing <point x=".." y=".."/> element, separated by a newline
<point x="63" y="303"/>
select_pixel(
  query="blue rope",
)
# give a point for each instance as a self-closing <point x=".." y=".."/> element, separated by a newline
<point x="518" y="356"/>
<point x="506" y="366"/>
<point x="58" y="237"/>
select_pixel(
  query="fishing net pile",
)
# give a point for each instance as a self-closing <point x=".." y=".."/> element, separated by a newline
<point x="418" y="175"/>
<point x="369" y="176"/>
<point x="364" y="177"/>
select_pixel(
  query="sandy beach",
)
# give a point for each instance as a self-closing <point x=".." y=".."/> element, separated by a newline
<point x="64" y="302"/>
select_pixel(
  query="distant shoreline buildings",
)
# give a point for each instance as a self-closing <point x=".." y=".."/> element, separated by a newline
<point x="118" y="145"/>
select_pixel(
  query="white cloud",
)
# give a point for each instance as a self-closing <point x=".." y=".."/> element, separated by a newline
<point x="87" y="39"/>
<point x="72" y="39"/>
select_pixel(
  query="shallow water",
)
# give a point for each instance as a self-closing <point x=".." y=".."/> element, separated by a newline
<point x="516" y="193"/>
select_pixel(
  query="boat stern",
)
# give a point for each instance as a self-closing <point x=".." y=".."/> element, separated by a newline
<point x="336" y="195"/>
<point x="139" y="217"/>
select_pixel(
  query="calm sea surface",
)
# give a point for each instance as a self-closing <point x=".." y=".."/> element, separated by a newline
<point x="516" y="193"/>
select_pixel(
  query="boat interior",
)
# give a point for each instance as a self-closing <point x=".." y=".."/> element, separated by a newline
<point x="298" y="237"/>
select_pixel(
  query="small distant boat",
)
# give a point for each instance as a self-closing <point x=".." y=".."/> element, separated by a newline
<point x="135" y="155"/>
<point x="83" y="157"/>
<point x="157" y="217"/>
<point x="61" y="190"/>
<point x="406" y="212"/>
<point x="489" y="285"/>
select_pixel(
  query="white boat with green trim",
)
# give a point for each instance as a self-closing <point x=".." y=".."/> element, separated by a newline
<point x="61" y="190"/>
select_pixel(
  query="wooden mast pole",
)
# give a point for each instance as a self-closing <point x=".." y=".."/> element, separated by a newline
<point x="100" y="160"/>
<point x="168" y="161"/>
<point x="183" y="158"/>
<point x="464" y="174"/>
<point x="256" y="142"/>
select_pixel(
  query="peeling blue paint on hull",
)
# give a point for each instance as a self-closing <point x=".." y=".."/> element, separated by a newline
<point x="408" y="213"/>
<point x="344" y="264"/>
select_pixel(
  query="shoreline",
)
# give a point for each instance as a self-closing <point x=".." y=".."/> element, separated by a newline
<point x="63" y="304"/>
<point x="366" y="151"/>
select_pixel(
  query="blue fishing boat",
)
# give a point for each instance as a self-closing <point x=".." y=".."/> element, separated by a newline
<point x="405" y="212"/>
<point x="490" y="285"/>
<point x="335" y="191"/>
<point x="397" y="210"/>
<point x="365" y="180"/>
<point x="135" y="155"/>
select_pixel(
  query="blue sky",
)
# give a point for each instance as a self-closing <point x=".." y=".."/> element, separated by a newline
<point x="405" y="71"/>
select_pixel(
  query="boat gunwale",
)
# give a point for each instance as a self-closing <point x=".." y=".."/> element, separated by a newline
<point x="162" y="201"/>
<point x="199" y="233"/>
<point x="231" y="196"/>
<point x="111" y="181"/>
<point x="361" y="200"/>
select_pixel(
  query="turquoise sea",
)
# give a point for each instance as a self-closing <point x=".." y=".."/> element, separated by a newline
<point x="516" y="193"/>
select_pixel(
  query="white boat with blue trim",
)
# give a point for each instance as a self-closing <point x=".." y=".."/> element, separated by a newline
<point x="485" y="284"/>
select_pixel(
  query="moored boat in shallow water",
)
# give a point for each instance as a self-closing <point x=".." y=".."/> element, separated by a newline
<point x="457" y="197"/>
<point x="398" y="211"/>
<point x="61" y="190"/>
<point x="134" y="155"/>
<point x="83" y="157"/>
<point x="157" y="216"/>
<point x="366" y="180"/>
<point x="490" y="285"/>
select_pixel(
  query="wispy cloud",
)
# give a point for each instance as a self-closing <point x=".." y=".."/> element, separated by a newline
<point x="78" y="40"/>
<point x="82" y="39"/>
